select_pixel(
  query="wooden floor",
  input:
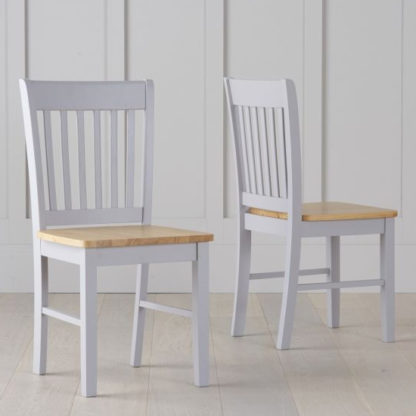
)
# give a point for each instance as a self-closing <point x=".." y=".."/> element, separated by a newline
<point x="346" y="371"/>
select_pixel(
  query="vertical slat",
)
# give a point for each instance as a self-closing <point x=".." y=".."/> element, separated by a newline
<point x="243" y="145"/>
<point x="261" y="119"/>
<point x="81" y="161"/>
<point x="281" y="152"/>
<point x="249" y="147"/>
<point x="271" y="136"/>
<point x="97" y="160"/>
<point x="65" y="160"/>
<point x="49" y="159"/>
<point x="113" y="158"/>
<point x="130" y="159"/>
<point x="256" y="148"/>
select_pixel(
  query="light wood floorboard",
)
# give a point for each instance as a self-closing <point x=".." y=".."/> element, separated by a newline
<point x="16" y="325"/>
<point x="344" y="371"/>
<point x="171" y="389"/>
<point x="318" y="376"/>
<point x="251" y="377"/>
<point x="382" y="371"/>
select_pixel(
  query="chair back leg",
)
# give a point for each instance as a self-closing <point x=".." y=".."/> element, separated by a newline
<point x="242" y="283"/>
<point x="88" y="315"/>
<point x="387" y="274"/>
<point x="333" y="297"/>
<point x="290" y="286"/>
<point x="139" y="315"/>
<point x="200" y="318"/>
<point x="40" y="336"/>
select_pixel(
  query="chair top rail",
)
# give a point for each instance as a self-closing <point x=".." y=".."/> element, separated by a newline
<point x="84" y="95"/>
<point x="258" y="93"/>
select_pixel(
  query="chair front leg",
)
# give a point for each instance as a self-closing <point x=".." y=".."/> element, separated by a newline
<point x="88" y="307"/>
<point x="242" y="283"/>
<point x="290" y="286"/>
<point x="40" y="336"/>
<point x="139" y="315"/>
<point x="200" y="318"/>
<point x="387" y="274"/>
<point x="333" y="296"/>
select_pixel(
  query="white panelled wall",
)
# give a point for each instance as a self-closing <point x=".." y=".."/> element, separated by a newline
<point x="353" y="62"/>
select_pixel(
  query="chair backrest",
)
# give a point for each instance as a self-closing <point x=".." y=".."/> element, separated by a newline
<point x="71" y="170"/>
<point x="265" y="128"/>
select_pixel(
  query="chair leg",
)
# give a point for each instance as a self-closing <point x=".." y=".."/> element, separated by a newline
<point x="387" y="274"/>
<point x="139" y="315"/>
<point x="200" y="318"/>
<point x="40" y="321"/>
<point x="333" y="297"/>
<point x="242" y="283"/>
<point x="289" y="292"/>
<point x="88" y="307"/>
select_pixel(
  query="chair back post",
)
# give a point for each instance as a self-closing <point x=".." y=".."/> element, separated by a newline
<point x="238" y="161"/>
<point x="147" y="163"/>
<point x="294" y="154"/>
<point x="265" y="130"/>
<point x="33" y="160"/>
<point x="50" y="171"/>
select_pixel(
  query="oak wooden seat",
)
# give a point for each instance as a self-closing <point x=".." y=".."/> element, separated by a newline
<point x="331" y="211"/>
<point x="122" y="236"/>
